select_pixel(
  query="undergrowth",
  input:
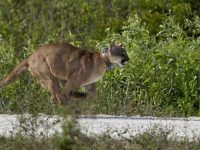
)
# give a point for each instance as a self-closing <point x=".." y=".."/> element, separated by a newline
<point x="72" y="139"/>
<point x="161" y="78"/>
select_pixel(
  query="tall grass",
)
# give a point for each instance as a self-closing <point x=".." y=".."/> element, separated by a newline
<point x="162" y="75"/>
<point x="73" y="140"/>
<point x="161" y="78"/>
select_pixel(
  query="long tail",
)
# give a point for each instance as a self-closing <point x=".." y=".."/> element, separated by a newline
<point x="14" y="74"/>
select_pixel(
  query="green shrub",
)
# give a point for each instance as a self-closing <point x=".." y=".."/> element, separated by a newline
<point x="162" y="73"/>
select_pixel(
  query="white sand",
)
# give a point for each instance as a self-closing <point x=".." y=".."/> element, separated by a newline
<point x="115" y="126"/>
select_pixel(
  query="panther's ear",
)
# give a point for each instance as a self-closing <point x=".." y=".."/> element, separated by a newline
<point x="120" y="45"/>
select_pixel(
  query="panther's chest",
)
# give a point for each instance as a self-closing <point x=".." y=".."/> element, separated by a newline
<point x="94" y="77"/>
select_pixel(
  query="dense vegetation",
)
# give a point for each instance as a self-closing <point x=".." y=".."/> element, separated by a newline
<point x="161" y="37"/>
<point x="162" y="77"/>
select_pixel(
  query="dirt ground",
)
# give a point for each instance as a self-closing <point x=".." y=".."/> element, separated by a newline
<point x="115" y="126"/>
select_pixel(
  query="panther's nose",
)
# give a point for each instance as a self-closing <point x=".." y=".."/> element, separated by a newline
<point x="124" y="61"/>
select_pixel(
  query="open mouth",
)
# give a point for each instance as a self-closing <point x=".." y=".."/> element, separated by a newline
<point x="123" y="62"/>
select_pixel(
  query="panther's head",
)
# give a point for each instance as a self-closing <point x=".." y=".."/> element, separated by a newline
<point x="116" y="54"/>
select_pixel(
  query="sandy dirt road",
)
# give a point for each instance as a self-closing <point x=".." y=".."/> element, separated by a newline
<point x="115" y="126"/>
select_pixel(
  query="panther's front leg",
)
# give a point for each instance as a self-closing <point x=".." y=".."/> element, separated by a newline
<point x="90" y="88"/>
<point x="91" y="92"/>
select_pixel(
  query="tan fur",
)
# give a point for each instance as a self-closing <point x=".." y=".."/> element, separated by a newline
<point x="69" y="65"/>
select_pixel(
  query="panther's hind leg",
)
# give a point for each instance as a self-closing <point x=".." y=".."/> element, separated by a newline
<point x="53" y="87"/>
